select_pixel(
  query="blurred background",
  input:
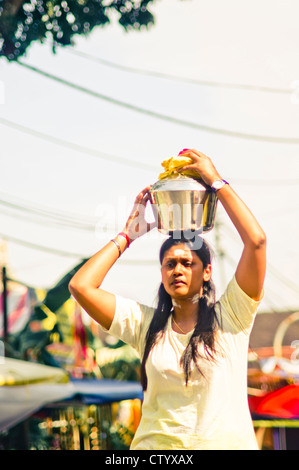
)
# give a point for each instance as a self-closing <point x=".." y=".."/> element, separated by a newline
<point x="85" y="129"/>
<point x="95" y="95"/>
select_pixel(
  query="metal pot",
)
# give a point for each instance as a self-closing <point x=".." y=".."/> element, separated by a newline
<point x="183" y="204"/>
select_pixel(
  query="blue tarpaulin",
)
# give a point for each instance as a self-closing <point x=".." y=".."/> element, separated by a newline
<point x="105" y="391"/>
<point x="18" y="402"/>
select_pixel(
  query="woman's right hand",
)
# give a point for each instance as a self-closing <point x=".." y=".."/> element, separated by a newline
<point x="136" y="225"/>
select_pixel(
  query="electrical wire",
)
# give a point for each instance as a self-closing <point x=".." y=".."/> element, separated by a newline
<point x="270" y="268"/>
<point x="127" y="162"/>
<point x="167" y="76"/>
<point x="68" y="254"/>
<point x="41" y="247"/>
<point x="59" y="217"/>
<point x="154" y="114"/>
<point x="286" y="281"/>
<point x="48" y="223"/>
<point x="266" y="299"/>
<point x="76" y="147"/>
<point x="266" y="182"/>
<point x="95" y="227"/>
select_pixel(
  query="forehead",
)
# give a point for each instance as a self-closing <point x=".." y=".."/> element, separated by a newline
<point x="179" y="251"/>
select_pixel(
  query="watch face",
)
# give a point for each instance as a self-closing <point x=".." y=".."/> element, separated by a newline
<point x="218" y="184"/>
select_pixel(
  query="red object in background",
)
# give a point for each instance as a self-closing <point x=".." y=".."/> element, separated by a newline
<point x="282" y="403"/>
<point x="254" y="402"/>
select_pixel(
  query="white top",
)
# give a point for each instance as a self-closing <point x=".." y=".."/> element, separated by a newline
<point x="212" y="412"/>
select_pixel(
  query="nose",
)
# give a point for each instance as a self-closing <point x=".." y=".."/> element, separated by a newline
<point x="177" y="269"/>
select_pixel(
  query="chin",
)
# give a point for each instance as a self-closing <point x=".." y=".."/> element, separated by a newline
<point x="180" y="293"/>
<point x="183" y="294"/>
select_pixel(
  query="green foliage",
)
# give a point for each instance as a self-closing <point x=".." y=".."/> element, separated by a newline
<point x="115" y="359"/>
<point x="120" y="436"/>
<point x="119" y="364"/>
<point x="26" y="435"/>
<point x="30" y="342"/>
<point x="23" y="22"/>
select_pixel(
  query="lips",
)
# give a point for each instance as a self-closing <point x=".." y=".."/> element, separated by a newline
<point x="178" y="283"/>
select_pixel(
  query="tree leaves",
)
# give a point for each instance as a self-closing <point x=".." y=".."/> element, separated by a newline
<point x="23" y="22"/>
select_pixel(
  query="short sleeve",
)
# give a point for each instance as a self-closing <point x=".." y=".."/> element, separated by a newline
<point x="238" y="310"/>
<point x="130" y="322"/>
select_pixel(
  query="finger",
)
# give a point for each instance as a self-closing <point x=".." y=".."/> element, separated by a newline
<point x="142" y="193"/>
<point x="187" y="167"/>
<point x="150" y="226"/>
<point x="142" y="201"/>
<point x="192" y="153"/>
<point x="184" y="151"/>
<point x="146" y="190"/>
<point x="139" y="198"/>
<point x="145" y="198"/>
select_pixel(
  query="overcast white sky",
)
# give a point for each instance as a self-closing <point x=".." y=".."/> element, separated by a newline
<point x="232" y="43"/>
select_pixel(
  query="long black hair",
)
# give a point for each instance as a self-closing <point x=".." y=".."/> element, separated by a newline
<point x="204" y="331"/>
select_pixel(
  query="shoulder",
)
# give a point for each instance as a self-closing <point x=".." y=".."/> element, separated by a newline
<point x="238" y="310"/>
<point x="131" y="321"/>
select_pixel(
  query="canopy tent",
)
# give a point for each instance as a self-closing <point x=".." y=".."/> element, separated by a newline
<point x="14" y="372"/>
<point x="26" y="387"/>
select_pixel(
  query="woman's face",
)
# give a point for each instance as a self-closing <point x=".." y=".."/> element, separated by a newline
<point x="183" y="272"/>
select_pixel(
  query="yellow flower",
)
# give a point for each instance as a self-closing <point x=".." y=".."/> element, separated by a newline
<point x="172" y="164"/>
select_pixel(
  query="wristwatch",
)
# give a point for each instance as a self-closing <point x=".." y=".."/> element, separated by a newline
<point x="218" y="184"/>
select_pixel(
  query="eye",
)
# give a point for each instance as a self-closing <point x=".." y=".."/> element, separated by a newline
<point x="188" y="264"/>
<point x="169" y="264"/>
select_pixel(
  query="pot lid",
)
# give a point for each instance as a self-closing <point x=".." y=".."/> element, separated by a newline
<point x="178" y="183"/>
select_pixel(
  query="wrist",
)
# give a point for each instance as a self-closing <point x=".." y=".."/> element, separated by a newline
<point x="218" y="184"/>
<point x="211" y="179"/>
<point x="124" y="235"/>
<point x="122" y="242"/>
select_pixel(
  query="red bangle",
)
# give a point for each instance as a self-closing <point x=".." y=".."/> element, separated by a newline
<point x="123" y="234"/>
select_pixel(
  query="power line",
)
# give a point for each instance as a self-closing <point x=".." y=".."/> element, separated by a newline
<point x="287" y="282"/>
<point x="154" y="114"/>
<point x="68" y="254"/>
<point x="265" y="182"/>
<point x="48" y="223"/>
<point x="94" y="226"/>
<point x="270" y="268"/>
<point x="59" y="217"/>
<point x="268" y="299"/>
<point x="176" y="78"/>
<point x="41" y="247"/>
<point x="76" y="147"/>
<point x="35" y="209"/>
<point x="125" y="161"/>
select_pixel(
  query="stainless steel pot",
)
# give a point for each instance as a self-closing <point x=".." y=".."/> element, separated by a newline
<point x="183" y="204"/>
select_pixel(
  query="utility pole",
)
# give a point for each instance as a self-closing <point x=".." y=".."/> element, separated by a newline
<point x="4" y="304"/>
<point x="220" y="253"/>
<point x="4" y="291"/>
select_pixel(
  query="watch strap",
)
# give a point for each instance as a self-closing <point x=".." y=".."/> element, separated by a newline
<point x="214" y="188"/>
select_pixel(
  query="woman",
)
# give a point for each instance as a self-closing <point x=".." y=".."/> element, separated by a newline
<point x="193" y="350"/>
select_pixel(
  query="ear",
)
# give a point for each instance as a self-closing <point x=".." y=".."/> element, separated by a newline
<point x="207" y="272"/>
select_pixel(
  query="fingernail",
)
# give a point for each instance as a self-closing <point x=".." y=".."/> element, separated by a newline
<point x="184" y="150"/>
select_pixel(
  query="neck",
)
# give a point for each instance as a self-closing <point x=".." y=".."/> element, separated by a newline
<point x="186" y="308"/>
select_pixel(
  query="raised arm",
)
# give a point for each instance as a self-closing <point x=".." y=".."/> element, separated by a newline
<point x="250" y="272"/>
<point x="85" y="284"/>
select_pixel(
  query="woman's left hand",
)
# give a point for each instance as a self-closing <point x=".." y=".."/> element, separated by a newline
<point x="202" y="164"/>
